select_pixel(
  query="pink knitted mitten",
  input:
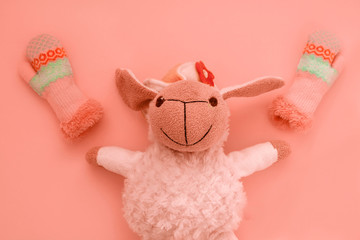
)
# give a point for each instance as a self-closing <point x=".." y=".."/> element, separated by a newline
<point x="54" y="82"/>
<point x="318" y="68"/>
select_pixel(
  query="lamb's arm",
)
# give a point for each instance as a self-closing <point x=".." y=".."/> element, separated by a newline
<point x="114" y="159"/>
<point x="258" y="157"/>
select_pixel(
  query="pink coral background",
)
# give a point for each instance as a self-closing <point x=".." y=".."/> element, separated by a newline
<point x="47" y="189"/>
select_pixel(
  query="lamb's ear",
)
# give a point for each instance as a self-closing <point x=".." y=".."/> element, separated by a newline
<point x="134" y="93"/>
<point x="155" y="84"/>
<point x="253" y="88"/>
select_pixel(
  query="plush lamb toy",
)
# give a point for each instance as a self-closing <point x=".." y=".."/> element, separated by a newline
<point x="184" y="186"/>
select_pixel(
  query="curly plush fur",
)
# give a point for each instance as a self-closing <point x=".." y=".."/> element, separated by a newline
<point x="173" y="195"/>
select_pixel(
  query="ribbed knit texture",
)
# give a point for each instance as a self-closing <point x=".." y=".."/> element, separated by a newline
<point x="307" y="92"/>
<point x="65" y="98"/>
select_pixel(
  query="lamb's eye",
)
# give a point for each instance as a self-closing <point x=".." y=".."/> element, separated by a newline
<point x="159" y="101"/>
<point x="213" y="102"/>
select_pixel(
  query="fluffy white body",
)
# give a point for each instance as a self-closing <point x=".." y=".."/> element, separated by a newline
<point x="178" y="195"/>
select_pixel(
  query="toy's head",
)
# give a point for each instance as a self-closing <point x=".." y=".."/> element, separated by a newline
<point x="186" y="111"/>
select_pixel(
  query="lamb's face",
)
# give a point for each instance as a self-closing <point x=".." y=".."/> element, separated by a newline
<point x="188" y="116"/>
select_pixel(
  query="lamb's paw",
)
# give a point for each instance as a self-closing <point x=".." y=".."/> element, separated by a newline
<point x="91" y="155"/>
<point x="282" y="147"/>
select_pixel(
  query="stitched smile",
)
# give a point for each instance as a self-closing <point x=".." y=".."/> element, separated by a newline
<point x="187" y="145"/>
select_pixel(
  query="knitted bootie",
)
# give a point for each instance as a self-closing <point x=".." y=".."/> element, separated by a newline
<point x="317" y="70"/>
<point x="54" y="82"/>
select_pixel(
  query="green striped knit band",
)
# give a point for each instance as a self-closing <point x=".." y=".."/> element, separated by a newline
<point x="50" y="73"/>
<point x="318" y="66"/>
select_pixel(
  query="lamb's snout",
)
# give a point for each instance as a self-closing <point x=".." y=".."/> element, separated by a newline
<point x="193" y="125"/>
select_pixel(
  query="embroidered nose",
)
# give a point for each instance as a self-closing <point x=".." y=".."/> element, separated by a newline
<point x="194" y="135"/>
